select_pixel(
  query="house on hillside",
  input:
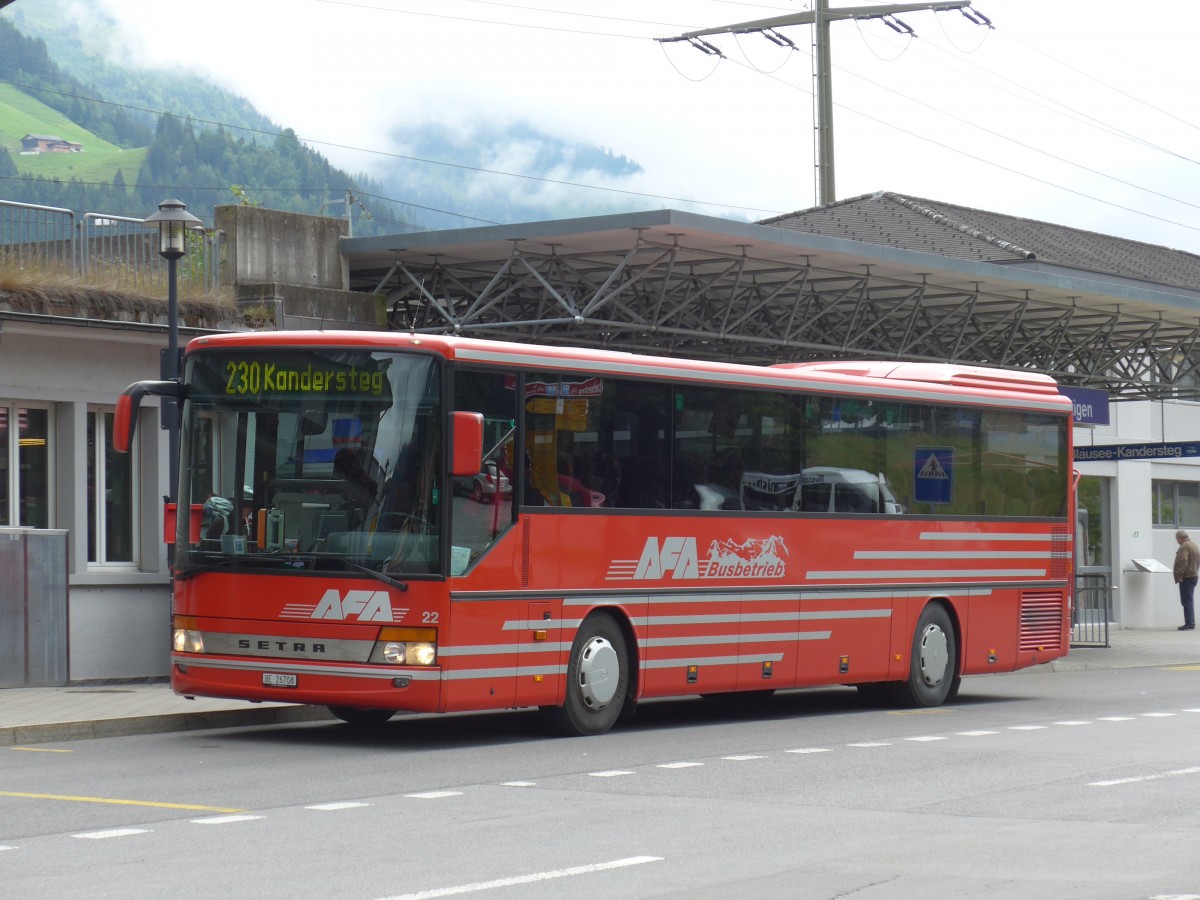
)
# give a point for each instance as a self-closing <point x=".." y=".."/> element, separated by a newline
<point x="48" y="143"/>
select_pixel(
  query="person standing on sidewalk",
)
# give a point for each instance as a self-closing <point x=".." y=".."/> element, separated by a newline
<point x="1187" y="567"/>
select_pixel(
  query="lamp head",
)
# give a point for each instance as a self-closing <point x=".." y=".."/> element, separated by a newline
<point x="172" y="220"/>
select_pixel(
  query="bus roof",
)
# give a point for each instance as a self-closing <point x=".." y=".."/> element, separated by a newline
<point x="901" y="380"/>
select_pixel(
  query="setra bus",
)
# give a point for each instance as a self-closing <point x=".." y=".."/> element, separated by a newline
<point x="381" y="522"/>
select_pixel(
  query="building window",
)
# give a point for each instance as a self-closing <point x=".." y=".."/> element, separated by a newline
<point x="112" y="494"/>
<point x="1176" y="503"/>
<point x="25" y="454"/>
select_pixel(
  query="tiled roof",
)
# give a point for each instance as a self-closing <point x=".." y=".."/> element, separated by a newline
<point x="931" y="226"/>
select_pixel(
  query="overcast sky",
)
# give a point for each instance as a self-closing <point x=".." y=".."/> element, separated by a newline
<point x="1079" y="113"/>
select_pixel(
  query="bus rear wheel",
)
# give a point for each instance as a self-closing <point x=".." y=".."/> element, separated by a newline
<point x="362" y="718"/>
<point x="597" y="679"/>
<point x="933" y="671"/>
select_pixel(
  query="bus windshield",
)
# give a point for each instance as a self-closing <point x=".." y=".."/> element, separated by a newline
<point x="317" y="459"/>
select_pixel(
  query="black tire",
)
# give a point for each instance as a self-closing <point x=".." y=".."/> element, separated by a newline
<point x="477" y="493"/>
<point x="597" y="679"/>
<point x="362" y="718"/>
<point x="933" y="670"/>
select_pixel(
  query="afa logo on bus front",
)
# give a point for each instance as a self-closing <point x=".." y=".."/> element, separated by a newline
<point x="679" y="558"/>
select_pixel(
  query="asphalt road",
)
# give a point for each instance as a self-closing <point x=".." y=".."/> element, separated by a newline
<point x="1064" y="785"/>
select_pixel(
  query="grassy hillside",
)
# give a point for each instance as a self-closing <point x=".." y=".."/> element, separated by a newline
<point x="21" y="114"/>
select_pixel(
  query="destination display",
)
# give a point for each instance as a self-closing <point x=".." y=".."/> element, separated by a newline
<point x="277" y="375"/>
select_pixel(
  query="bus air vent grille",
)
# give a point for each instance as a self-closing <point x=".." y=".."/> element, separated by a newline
<point x="1041" y="620"/>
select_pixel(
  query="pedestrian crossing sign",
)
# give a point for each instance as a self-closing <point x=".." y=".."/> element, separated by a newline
<point x="933" y="474"/>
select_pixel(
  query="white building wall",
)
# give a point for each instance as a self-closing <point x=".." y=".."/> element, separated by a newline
<point x="119" y="615"/>
<point x="1143" y="599"/>
<point x="119" y="632"/>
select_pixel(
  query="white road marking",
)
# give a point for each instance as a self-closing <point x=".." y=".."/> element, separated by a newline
<point x="1174" y="772"/>
<point x="925" y="738"/>
<point x="1026" y="727"/>
<point x="611" y="773"/>
<point x="518" y="784"/>
<point x="678" y="765"/>
<point x="224" y="820"/>
<point x="869" y="744"/>
<point x="2" y="848"/>
<point x="111" y="833"/>
<point x="1116" y="718"/>
<point x="330" y="807"/>
<point x="975" y="733"/>
<point x="1073" y="722"/>
<point x="1159" y="715"/>
<point x="434" y="795"/>
<point x="527" y="879"/>
<point x="743" y="757"/>
<point x="810" y="750"/>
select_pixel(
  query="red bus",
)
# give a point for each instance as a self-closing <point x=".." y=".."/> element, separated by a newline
<point x="384" y="522"/>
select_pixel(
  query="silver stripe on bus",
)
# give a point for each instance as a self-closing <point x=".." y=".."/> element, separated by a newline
<point x="909" y="574"/>
<point x="588" y="597"/>
<point x="954" y="554"/>
<point x="735" y="639"/>
<point x="780" y="597"/>
<point x="540" y="624"/>
<point x="984" y="536"/>
<point x="340" y="671"/>
<point x="861" y="594"/>
<point x="515" y="671"/>
<point x="489" y="649"/>
<point x="712" y="661"/>
<point x="734" y="618"/>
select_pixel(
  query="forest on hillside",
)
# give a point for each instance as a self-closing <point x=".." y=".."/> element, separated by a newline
<point x="201" y="164"/>
<point x="224" y="151"/>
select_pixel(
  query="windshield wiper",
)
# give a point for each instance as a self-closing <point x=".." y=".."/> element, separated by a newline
<point x="376" y="574"/>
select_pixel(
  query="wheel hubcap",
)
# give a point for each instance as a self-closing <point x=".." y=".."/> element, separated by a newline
<point x="935" y="653"/>
<point x="599" y="672"/>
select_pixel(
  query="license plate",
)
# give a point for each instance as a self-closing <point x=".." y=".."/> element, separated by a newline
<point x="272" y="679"/>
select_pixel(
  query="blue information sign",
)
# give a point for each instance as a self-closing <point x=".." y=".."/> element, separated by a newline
<point x="933" y="474"/>
<point x="1117" y="452"/>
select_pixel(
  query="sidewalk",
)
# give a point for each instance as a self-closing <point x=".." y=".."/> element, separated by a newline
<point x="76" y="712"/>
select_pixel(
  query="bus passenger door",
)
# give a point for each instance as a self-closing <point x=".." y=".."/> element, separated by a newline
<point x="539" y="672"/>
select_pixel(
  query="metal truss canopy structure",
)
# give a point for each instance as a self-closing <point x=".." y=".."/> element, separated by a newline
<point x="673" y="283"/>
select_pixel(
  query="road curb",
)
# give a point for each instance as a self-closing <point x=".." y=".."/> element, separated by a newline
<point x="53" y="732"/>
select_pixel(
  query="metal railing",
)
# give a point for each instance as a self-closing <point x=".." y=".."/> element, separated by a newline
<point x="118" y="250"/>
<point x="1093" y="609"/>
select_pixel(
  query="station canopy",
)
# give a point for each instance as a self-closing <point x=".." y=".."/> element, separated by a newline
<point x="877" y="277"/>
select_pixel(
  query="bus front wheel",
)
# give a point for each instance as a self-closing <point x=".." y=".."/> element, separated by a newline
<point x="933" y="671"/>
<point x="597" y="679"/>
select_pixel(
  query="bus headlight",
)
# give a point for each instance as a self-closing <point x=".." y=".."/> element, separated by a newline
<point x="406" y="647"/>
<point x="421" y="654"/>
<point x="393" y="652"/>
<point x="188" y="641"/>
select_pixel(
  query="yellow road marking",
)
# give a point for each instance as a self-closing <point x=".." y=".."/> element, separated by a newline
<point x="40" y="750"/>
<point x="118" y="802"/>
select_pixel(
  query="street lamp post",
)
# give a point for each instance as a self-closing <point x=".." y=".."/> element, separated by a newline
<point x="172" y="220"/>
